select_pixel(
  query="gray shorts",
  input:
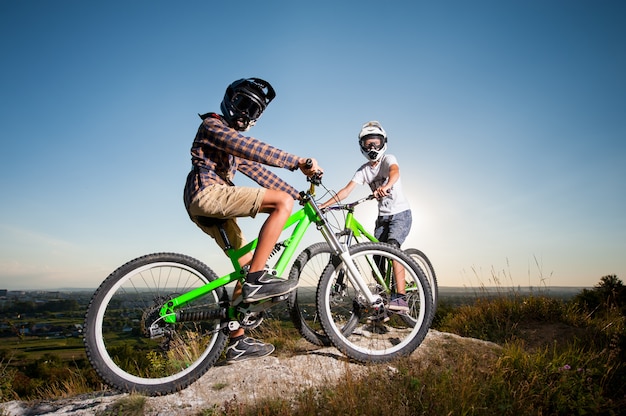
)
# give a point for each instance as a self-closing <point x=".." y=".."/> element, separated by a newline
<point x="394" y="227"/>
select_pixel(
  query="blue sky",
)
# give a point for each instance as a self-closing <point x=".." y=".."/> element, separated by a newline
<point x="508" y="120"/>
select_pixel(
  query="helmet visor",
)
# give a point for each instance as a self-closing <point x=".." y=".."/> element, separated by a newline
<point x="372" y="142"/>
<point x="243" y="104"/>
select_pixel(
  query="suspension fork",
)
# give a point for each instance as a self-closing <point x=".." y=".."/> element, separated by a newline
<point x="343" y="251"/>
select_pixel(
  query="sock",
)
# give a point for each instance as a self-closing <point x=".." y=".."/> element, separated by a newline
<point x="235" y="339"/>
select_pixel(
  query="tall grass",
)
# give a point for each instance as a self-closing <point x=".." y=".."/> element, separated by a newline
<point x="556" y="358"/>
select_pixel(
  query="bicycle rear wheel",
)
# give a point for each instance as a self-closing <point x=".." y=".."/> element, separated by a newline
<point x="375" y="335"/>
<point x="308" y="269"/>
<point x="126" y="340"/>
<point x="420" y="258"/>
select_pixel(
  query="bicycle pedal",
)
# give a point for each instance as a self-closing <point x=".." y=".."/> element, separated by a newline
<point x="277" y="299"/>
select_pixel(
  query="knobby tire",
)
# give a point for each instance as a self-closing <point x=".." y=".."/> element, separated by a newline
<point x="124" y="307"/>
<point x="355" y="328"/>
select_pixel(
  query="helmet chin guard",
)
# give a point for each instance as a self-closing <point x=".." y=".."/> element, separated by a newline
<point x="374" y="155"/>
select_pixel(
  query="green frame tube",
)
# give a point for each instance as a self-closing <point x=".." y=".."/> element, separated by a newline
<point x="301" y="219"/>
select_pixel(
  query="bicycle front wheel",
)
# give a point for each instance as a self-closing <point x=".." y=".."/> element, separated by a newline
<point x="126" y="340"/>
<point x="375" y="334"/>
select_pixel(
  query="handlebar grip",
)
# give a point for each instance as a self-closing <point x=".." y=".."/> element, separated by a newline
<point x="308" y="163"/>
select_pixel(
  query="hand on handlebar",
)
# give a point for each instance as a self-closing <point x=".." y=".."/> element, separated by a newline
<point x="382" y="192"/>
<point x="311" y="169"/>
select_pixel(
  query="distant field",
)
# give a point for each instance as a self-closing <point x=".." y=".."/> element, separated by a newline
<point x="564" y="292"/>
<point x="67" y="349"/>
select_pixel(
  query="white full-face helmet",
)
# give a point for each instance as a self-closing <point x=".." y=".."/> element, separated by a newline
<point x="371" y="151"/>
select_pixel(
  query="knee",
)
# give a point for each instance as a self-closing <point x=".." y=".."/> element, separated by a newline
<point x="286" y="202"/>
<point x="277" y="201"/>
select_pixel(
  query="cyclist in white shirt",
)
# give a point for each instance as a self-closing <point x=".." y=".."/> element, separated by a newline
<point x="382" y="174"/>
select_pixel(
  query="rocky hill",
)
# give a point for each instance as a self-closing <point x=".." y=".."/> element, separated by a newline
<point x="271" y="376"/>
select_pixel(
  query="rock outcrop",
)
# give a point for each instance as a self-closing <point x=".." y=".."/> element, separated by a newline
<point x="246" y="382"/>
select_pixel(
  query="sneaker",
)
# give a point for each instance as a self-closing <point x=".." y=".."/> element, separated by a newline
<point x="265" y="287"/>
<point x="398" y="304"/>
<point x="247" y="348"/>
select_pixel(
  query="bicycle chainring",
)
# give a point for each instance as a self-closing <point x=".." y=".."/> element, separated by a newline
<point x="250" y="320"/>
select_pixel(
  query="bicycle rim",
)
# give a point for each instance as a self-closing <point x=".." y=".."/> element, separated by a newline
<point x="125" y="308"/>
<point x="424" y="263"/>
<point x="374" y="335"/>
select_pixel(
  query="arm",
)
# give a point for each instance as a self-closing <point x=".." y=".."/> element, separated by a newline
<point x="265" y="177"/>
<point x="216" y="140"/>
<point x="232" y="142"/>
<point x="394" y="175"/>
<point x="343" y="193"/>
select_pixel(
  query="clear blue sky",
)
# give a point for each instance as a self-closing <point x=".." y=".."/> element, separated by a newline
<point x="508" y="120"/>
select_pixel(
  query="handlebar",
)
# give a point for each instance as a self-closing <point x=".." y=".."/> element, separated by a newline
<point x="350" y="206"/>
<point x="315" y="179"/>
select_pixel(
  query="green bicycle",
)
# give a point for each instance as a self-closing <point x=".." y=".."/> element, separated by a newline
<point x="160" y="321"/>
<point x="314" y="259"/>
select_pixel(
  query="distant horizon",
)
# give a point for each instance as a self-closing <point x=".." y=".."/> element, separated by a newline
<point x="69" y="289"/>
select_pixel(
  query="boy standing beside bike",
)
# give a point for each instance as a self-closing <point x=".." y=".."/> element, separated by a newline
<point x="382" y="174"/>
<point x="219" y="150"/>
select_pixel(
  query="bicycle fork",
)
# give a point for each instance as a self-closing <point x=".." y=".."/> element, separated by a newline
<point x="342" y="250"/>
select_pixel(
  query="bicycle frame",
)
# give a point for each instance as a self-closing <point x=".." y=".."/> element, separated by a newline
<point x="300" y="220"/>
<point x="354" y="229"/>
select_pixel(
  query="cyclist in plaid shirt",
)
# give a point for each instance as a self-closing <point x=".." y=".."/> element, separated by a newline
<point x="219" y="150"/>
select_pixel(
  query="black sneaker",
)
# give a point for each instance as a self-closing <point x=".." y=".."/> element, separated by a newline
<point x="265" y="287"/>
<point x="247" y="348"/>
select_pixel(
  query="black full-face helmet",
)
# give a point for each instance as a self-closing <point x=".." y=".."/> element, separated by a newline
<point x="244" y="102"/>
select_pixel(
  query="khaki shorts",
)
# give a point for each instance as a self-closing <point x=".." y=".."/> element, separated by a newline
<point x="228" y="203"/>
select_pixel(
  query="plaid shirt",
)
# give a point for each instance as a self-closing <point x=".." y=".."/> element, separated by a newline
<point x="218" y="151"/>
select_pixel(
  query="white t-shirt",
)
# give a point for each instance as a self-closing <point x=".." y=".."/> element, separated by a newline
<point x="376" y="176"/>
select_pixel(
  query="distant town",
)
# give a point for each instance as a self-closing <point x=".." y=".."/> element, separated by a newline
<point x="42" y="313"/>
